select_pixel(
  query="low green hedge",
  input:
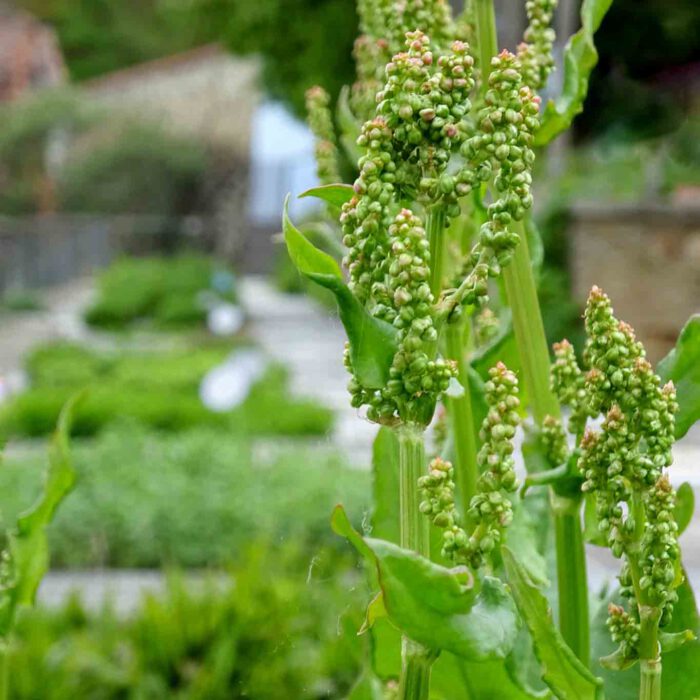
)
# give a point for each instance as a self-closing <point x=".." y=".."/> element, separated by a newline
<point x="157" y="389"/>
<point x="146" y="499"/>
<point x="164" y="291"/>
<point x="281" y="625"/>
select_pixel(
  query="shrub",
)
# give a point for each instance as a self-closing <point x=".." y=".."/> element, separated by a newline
<point x="165" y="290"/>
<point x="157" y="389"/>
<point x="145" y="499"/>
<point x="267" y="630"/>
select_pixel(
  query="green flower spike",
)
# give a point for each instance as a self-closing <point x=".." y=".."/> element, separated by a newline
<point x="535" y="53"/>
<point x="499" y="148"/>
<point x="490" y="510"/>
<point x="622" y="464"/>
<point x="321" y="125"/>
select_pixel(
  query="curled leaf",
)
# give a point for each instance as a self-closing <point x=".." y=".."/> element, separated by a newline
<point x="685" y="505"/>
<point x="27" y="543"/>
<point x="336" y="195"/>
<point x="682" y="367"/>
<point x="372" y="341"/>
<point x="436" y="606"/>
<point x="580" y="58"/>
<point x="565" y="675"/>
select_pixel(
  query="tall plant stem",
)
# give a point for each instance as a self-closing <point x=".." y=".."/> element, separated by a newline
<point x="534" y="358"/>
<point x="4" y="669"/>
<point x="435" y="229"/>
<point x="416" y="661"/>
<point x="649" y="652"/>
<point x="571" y="576"/>
<point x="529" y="331"/>
<point x="650" y="679"/>
<point x="487" y="38"/>
<point x="462" y="418"/>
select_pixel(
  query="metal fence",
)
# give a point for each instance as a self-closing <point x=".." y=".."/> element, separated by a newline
<point x="40" y="251"/>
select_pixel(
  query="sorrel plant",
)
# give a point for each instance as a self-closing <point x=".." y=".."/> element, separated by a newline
<point x="437" y="290"/>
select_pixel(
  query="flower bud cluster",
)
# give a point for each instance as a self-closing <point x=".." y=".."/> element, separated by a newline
<point x="321" y="125"/>
<point x="425" y="107"/>
<point x="535" y="53"/>
<point x="624" y="630"/>
<point x="568" y="383"/>
<point x="554" y="441"/>
<point x="490" y="510"/>
<point x="486" y="326"/>
<point x="621" y="376"/>
<point x="434" y="17"/>
<point x="366" y="217"/>
<point x="622" y="463"/>
<point x="501" y="145"/>
<point x="404" y="299"/>
<point x="371" y="56"/>
<point x="661" y="554"/>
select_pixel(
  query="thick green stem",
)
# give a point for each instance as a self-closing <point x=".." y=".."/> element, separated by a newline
<point x="415" y="534"/>
<point x="571" y="575"/>
<point x="529" y="331"/>
<point x="415" y="671"/>
<point x="415" y="527"/>
<point x="4" y="669"/>
<point x="650" y="679"/>
<point x="435" y="229"/>
<point x="534" y="357"/>
<point x="462" y="418"/>
<point x="649" y="653"/>
<point x="487" y="38"/>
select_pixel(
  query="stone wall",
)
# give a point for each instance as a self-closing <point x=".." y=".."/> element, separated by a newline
<point x="647" y="258"/>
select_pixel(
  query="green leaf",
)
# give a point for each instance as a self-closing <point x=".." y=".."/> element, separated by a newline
<point x="435" y="606"/>
<point x="521" y="537"/>
<point x="580" y="57"/>
<point x="682" y="367"/>
<point x="336" y="195"/>
<point x="372" y="341"/>
<point x="27" y="543"/>
<point x="309" y="260"/>
<point x="368" y="687"/>
<point x="680" y="680"/>
<point x="685" y="505"/>
<point x="567" y="677"/>
<point x="453" y="678"/>
<point x="670" y="641"/>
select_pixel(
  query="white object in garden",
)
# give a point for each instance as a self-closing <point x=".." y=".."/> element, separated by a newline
<point x="225" y="319"/>
<point x="228" y="385"/>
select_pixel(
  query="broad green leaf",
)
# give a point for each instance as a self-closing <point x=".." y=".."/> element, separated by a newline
<point x="435" y="606"/>
<point x="680" y="679"/>
<point x="372" y="342"/>
<point x="580" y="58"/>
<point x="27" y="542"/>
<point x="567" y="677"/>
<point x="521" y="537"/>
<point x="682" y="367"/>
<point x="453" y="678"/>
<point x="335" y="195"/>
<point x="685" y="505"/>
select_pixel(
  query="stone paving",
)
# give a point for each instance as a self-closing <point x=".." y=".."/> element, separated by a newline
<point x="309" y="340"/>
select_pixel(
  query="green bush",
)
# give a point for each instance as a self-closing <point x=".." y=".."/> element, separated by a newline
<point x="166" y="291"/>
<point x="135" y="168"/>
<point x="145" y="499"/>
<point x="156" y="389"/>
<point x="267" y="630"/>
